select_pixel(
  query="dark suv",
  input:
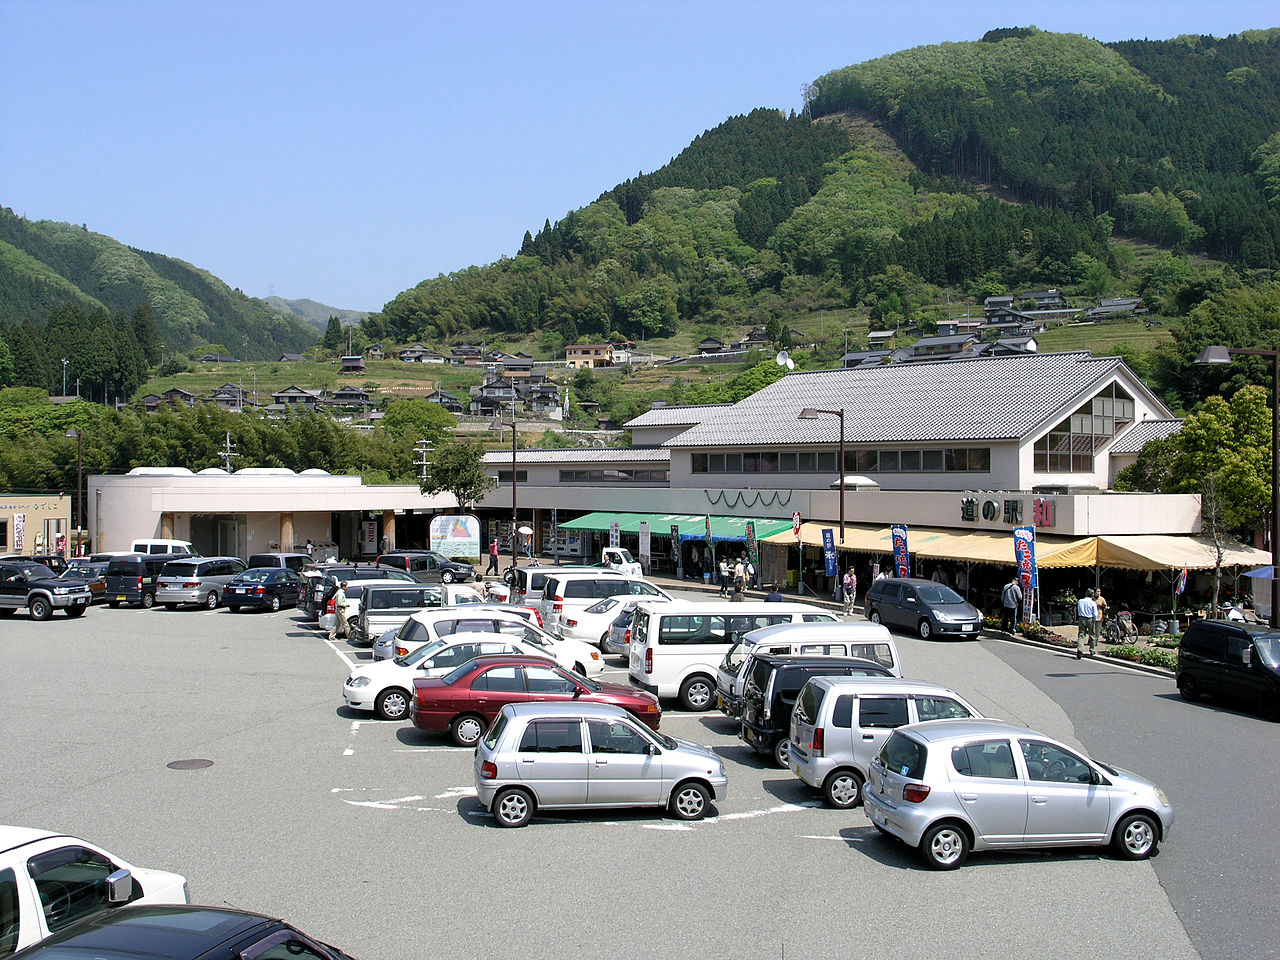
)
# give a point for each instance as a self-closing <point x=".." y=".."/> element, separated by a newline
<point x="922" y="606"/>
<point x="131" y="577"/>
<point x="1234" y="661"/>
<point x="24" y="583"/>
<point x="772" y="684"/>
<point x="427" y="566"/>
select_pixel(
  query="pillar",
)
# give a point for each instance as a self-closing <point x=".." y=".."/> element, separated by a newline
<point x="286" y="532"/>
<point x="389" y="528"/>
<point x="166" y="526"/>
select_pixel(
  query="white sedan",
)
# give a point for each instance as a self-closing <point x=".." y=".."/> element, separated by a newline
<point x="54" y="880"/>
<point x="592" y="624"/>
<point x="386" y="686"/>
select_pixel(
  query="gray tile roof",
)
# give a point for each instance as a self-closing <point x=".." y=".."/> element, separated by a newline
<point x="581" y="455"/>
<point x="676" y="416"/>
<point x="989" y="398"/>
<point x="1140" y="434"/>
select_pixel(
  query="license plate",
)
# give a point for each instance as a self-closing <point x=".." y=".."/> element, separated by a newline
<point x="122" y="598"/>
<point x="967" y="626"/>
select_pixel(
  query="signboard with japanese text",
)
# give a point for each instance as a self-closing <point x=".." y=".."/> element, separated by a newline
<point x="646" y="546"/>
<point x="1024" y="553"/>
<point x="455" y="536"/>
<point x="901" y="555"/>
<point x="829" y="551"/>
<point x="615" y="534"/>
<point x="676" y="553"/>
<point x="795" y="524"/>
<point x="753" y="546"/>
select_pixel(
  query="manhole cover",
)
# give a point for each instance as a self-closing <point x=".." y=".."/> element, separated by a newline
<point x="189" y="764"/>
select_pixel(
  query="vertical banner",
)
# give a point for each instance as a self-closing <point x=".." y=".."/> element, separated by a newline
<point x="795" y="525"/>
<point x="829" y="551"/>
<point x="646" y="547"/>
<point x="1024" y="554"/>
<point x="710" y="545"/>
<point x="555" y="535"/>
<point x="753" y="545"/>
<point x="676" y="553"/>
<point x="19" y="531"/>
<point x="901" y="556"/>
<point x="615" y="534"/>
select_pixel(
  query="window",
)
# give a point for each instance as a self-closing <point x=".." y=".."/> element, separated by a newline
<point x="547" y="680"/>
<point x="674" y="630"/>
<point x="877" y="652"/>
<point x="842" y="712"/>
<point x="1237" y="642"/>
<point x="4" y="534"/>
<point x="904" y="756"/>
<point x="986" y="758"/>
<point x="939" y="708"/>
<point x="451" y="657"/>
<point x="616" y="737"/>
<point x="504" y="476"/>
<point x="1049" y="763"/>
<point x="1070" y="446"/>
<point x="882" y="711"/>
<point x="9" y="915"/>
<point x="499" y="680"/>
<point x="70" y="882"/>
<point x="552" y="736"/>
<point x="824" y="649"/>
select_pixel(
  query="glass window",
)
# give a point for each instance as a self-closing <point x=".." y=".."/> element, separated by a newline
<point x="808" y="704"/>
<point x="769" y="461"/>
<point x="985" y="758"/>
<point x="547" y="680"/>
<point x="867" y="461"/>
<point x="70" y="882"/>
<point x="715" y="462"/>
<point x="1049" y="763"/>
<point x="905" y="756"/>
<point x="451" y="657"/>
<point x="750" y="462"/>
<point x="283" y="946"/>
<point x="499" y="679"/>
<point x="733" y="463"/>
<point x="909" y="461"/>
<point x="616" y="737"/>
<point x="842" y="711"/>
<point x="673" y="630"/>
<point x="807" y="461"/>
<point x="888" y="461"/>
<point x="882" y="711"/>
<point x="9" y="916"/>
<point x="826" y="462"/>
<point x="931" y="461"/>
<point x="939" y="708"/>
<point x="699" y="463"/>
<point x="552" y="736"/>
<point x="787" y="462"/>
<point x="877" y="652"/>
<point x="956" y="459"/>
<point x="1236" y="644"/>
<point x="980" y="459"/>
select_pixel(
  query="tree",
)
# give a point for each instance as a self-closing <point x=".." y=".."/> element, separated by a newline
<point x="334" y="338"/>
<point x="417" y="419"/>
<point x="456" y="468"/>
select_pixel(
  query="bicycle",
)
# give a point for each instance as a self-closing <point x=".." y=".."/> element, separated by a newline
<point x="1120" y="629"/>
<point x="509" y="574"/>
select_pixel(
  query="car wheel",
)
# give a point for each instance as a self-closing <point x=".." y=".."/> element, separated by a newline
<point x="211" y="601"/>
<point x="874" y="616"/>
<point x="926" y="629"/>
<point x="171" y="606"/>
<point x="696" y="693"/>
<point x="1136" y="837"/>
<point x="76" y="611"/>
<point x="447" y="576"/>
<point x="781" y="752"/>
<point x="1188" y="688"/>
<point x="689" y="801"/>
<point x="275" y="604"/>
<point x="944" y="847"/>
<point x="39" y="608"/>
<point x="843" y="789"/>
<point x="148" y="601"/>
<point x="234" y="609"/>
<point x="513" y="807"/>
<point x="113" y="604"/>
<point x="467" y="729"/>
<point x="392" y="704"/>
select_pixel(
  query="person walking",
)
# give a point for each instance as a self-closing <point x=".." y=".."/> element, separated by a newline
<point x="493" y="557"/>
<point x="740" y="574"/>
<point x="339" y="626"/>
<point x="1104" y="610"/>
<point x="724" y="576"/>
<point x="850" y="585"/>
<point x="1010" y="601"/>
<point x="1086" y="624"/>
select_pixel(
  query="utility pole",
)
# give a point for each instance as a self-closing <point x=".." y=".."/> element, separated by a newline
<point x="228" y="451"/>
<point x="422" y="448"/>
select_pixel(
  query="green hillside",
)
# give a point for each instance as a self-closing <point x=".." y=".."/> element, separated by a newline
<point x="44" y="265"/>
<point x="315" y="313"/>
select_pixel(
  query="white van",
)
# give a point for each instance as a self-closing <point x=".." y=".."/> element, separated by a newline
<point x="677" y="646"/>
<point x="163" y="546"/>
<point x="566" y="593"/>
<point x="867" y="641"/>
<point x="840" y="723"/>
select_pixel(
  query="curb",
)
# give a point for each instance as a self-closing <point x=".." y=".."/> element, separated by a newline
<point x="1024" y="641"/>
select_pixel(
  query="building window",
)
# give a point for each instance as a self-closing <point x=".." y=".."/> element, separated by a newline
<point x="615" y="476"/>
<point x="1071" y="445"/>
<point x="933" y="460"/>
<point x="504" y="476"/>
<point x="4" y="534"/>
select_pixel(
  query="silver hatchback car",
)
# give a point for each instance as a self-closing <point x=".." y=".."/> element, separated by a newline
<point x="950" y="786"/>
<point x="553" y="756"/>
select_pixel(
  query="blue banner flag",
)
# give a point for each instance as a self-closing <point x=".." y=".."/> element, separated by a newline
<point x="829" y="551"/>
<point x="901" y="556"/>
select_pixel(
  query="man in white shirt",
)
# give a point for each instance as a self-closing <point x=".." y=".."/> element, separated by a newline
<point x="1086" y="624"/>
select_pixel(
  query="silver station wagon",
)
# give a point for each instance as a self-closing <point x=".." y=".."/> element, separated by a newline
<point x="543" y="756"/>
<point x="950" y="786"/>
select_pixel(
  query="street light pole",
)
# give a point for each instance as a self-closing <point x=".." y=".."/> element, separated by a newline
<point x="1215" y="355"/>
<point x="812" y="413"/>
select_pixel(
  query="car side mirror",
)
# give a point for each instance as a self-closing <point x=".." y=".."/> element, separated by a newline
<point x="911" y="599"/>
<point x="119" y="887"/>
<point x="654" y="751"/>
<point x="1247" y="655"/>
<point x="577" y="691"/>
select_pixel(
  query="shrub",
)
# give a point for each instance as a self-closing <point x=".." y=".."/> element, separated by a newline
<point x="1144" y="655"/>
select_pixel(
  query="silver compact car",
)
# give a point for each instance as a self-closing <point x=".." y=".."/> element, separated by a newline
<point x="950" y="786"/>
<point x="545" y="756"/>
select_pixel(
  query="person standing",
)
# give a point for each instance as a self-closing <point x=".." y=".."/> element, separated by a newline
<point x="774" y="595"/>
<point x="724" y="576"/>
<point x="1086" y="624"/>
<point x="740" y="574"/>
<point x="493" y="557"/>
<point x="850" y="585"/>
<point x="1010" y="601"/>
<point x="1104" y="609"/>
<point x="339" y="627"/>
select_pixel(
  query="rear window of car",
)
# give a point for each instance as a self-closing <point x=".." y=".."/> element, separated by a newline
<point x="180" y="568"/>
<point x="904" y="756"/>
<point x="809" y="703"/>
<point x="578" y="590"/>
<point x="552" y="736"/>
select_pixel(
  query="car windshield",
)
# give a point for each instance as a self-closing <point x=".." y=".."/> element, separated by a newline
<point x="663" y="739"/>
<point x="256" y="575"/>
<point x="36" y="571"/>
<point x="735" y="657"/>
<point x="1269" y="649"/>
<point x="604" y="606"/>
<point x="626" y="556"/>
<point x="937" y="593"/>
<point x="416" y="656"/>
<point x="589" y="684"/>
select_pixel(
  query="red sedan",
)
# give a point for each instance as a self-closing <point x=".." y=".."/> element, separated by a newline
<point x="467" y="700"/>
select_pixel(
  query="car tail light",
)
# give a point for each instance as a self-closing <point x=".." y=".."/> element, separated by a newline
<point x="915" y="792"/>
<point x="648" y="660"/>
<point x="330" y="607"/>
<point x="819" y="741"/>
<point x="571" y="623"/>
<point x="192" y="584"/>
<point x="259" y="591"/>
<point x="538" y="616"/>
<point x="557" y="605"/>
<point x="139" y="583"/>
<point x="489" y="770"/>
<point x="626" y="637"/>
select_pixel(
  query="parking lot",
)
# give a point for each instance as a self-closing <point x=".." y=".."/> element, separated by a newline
<point x="367" y="834"/>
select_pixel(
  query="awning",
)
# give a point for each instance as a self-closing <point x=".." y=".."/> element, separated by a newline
<point x="1125" y="552"/>
<point x="693" y="526"/>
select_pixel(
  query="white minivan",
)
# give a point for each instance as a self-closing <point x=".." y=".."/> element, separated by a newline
<point x="163" y="546"/>
<point x="867" y="641"/>
<point x="564" y="594"/>
<point x="677" y="646"/>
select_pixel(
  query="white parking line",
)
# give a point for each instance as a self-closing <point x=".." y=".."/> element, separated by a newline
<point x="341" y="656"/>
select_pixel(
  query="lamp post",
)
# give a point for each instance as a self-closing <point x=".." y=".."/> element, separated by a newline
<point x="65" y="361"/>
<point x="1215" y="355"/>
<point x="79" y="501"/>
<point x="812" y="413"/>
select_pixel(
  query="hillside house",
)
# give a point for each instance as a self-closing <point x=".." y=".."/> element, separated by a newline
<point x="935" y="347"/>
<point x="176" y="395"/>
<point x="710" y="345"/>
<point x="420" y="354"/>
<point x="349" y="396"/>
<point x="588" y="355"/>
<point x="375" y="351"/>
<point x="291" y="358"/>
<point x="447" y="400"/>
<point x="465" y="353"/>
<point x="216" y="358"/>
<point x="353" y="364"/>
<point x="518" y="367"/>
<point x="295" y="396"/>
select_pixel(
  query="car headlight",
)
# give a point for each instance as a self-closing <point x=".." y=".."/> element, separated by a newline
<point x="1162" y="797"/>
<point x="357" y="681"/>
<point x="61" y="591"/>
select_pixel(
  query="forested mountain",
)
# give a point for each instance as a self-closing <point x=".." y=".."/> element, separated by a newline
<point x="882" y="192"/>
<point x="44" y="265"/>
<point x="315" y="313"/>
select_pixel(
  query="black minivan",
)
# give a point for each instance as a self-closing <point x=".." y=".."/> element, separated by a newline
<point x="1232" y="660"/>
<point x="131" y="577"/>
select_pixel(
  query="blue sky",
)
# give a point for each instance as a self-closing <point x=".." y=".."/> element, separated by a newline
<point x="345" y="151"/>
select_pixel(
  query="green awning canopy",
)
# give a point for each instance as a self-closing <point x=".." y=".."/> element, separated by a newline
<point x="693" y="526"/>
